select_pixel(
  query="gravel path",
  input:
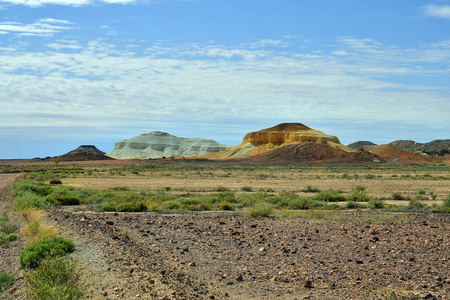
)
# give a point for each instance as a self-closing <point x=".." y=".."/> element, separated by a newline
<point x="224" y="256"/>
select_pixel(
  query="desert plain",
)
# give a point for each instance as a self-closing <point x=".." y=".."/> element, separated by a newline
<point x="332" y="252"/>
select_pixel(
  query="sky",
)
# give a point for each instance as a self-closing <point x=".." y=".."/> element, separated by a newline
<point x="95" y="72"/>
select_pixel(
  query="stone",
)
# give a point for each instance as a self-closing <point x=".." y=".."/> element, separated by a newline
<point x="307" y="284"/>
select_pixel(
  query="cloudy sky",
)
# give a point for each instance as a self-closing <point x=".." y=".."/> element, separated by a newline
<point x="96" y="72"/>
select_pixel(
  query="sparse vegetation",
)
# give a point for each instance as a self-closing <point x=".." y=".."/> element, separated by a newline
<point x="7" y="230"/>
<point x="262" y="209"/>
<point x="32" y="255"/>
<point x="6" y="279"/>
<point x="54" y="278"/>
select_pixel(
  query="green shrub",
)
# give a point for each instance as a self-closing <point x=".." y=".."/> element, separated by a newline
<point x="246" y="199"/>
<point x="5" y="281"/>
<point x="84" y="194"/>
<point x="5" y="238"/>
<point x="416" y="205"/>
<point x="304" y="203"/>
<point x="170" y="205"/>
<point x="330" y="196"/>
<point x="225" y="205"/>
<point x="195" y="204"/>
<point x="221" y="189"/>
<point x="358" y="194"/>
<point x="52" y="247"/>
<point x="223" y="196"/>
<point x="262" y="209"/>
<point x="36" y="189"/>
<point x="354" y="205"/>
<point x="121" y="189"/>
<point x="64" y="200"/>
<point x="446" y="204"/>
<point x="310" y="189"/>
<point x="398" y="196"/>
<point x="247" y="189"/>
<point x="54" y="279"/>
<point x="28" y="200"/>
<point x="4" y="227"/>
<point x="376" y="204"/>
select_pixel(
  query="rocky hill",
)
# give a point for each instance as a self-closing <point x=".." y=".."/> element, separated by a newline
<point x="360" y="144"/>
<point x="268" y="139"/>
<point x="84" y="152"/>
<point x="157" y="144"/>
<point x="436" y="147"/>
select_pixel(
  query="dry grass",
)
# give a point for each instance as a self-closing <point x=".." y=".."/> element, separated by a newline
<point x="378" y="183"/>
<point x="32" y="215"/>
<point x="36" y="228"/>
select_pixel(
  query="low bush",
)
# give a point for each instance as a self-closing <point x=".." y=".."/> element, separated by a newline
<point x="416" y="205"/>
<point x="5" y="227"/>
<point x="225" y="205"/>
<point x="330" y="196"/>
<point x="221" y="189"/>
<point x="262" y="209"/>
<point x="358" y="194"/>
<point x="310" y="189"/>
<point x="55" y="278"/>
<point x="354" y="205"/>
<point x="32" y="255"/>
<point x="5" y="281"/>
<point x="36" y="189"/>
<point x="376" y="204"/>
<point x="446" y="204"/>
<point x="247" y="189"/>
<point x="293" y="201"/>
<point x="27" y="200"/>
<point x="125" y="207"/>
<point x="5" y="238"/>
<point x="64" y="200"/>
<point x="398" y="196"/>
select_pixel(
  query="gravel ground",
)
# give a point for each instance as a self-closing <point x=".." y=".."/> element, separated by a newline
<point x="221" y="255"/>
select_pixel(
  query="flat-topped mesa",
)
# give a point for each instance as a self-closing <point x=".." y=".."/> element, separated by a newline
<point x="157" y="144"/>
<point x="288" y="133"/>
<point x="262" y="141"/>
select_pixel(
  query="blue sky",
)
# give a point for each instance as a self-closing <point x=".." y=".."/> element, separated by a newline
<point x="78" y="72"/>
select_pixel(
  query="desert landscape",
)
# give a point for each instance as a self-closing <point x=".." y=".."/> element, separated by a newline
<point x="289" y="214"/>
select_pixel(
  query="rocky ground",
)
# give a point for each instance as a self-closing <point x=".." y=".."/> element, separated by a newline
<point x="225" y="256"/>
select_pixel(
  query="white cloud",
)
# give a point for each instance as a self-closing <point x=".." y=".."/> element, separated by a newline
<point x="66" y="89"/>
<point x="43" y="27"/>
<point x="40" y="3"/>
<point x="440" y="11"/>
<point x="186" y="88"/>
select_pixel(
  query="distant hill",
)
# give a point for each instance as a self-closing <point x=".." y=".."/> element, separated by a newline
<point x="436" y="147"/>
<point x="360" y="144"/>
<point x="265" y="140"/>
<point x="157" y="144"/>
<point x="84" y="152"/>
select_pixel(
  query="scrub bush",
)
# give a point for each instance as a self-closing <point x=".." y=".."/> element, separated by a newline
<point x="32" y="255"/>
